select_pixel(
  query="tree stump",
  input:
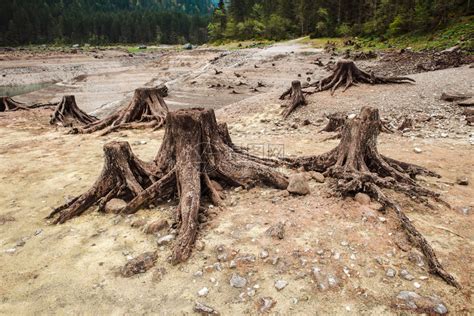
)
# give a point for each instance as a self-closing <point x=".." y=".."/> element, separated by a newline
<point x="8" y="104"/>
<point x="192" y="158"/>
<point x="68" y="114"/>
<point x="347" y="74"/>
<point x="146" y="110"/>
<point x="297" y="98"/>
<point x="357" y="166"/>
<point x="336" y="122"/>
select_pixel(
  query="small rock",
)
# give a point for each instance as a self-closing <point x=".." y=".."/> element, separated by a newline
<point x="332" y="280"/>
<point x="203" y="292"/>
<point x="115" y="206"/>
<point x="462" y="180"/>
<point x="440" y="309"/>
<point x="280" y="284"/>
<point x="165" y="240"/>
<point x="276" y="231"/>
<point x="362" y="198"/>
<point x="391" y="273"/>
<point x="200" y="245"/>
<point x="417" y="150"/>
<point x="265" y="304"/>
<point x="263" y="254"/>
<point x="417" y="285"/>
<point x="237" y="281"/>
<point x="351" y="116"/>
<point x="406" y="275"/>
<point x="156" y="226"/>
<point x="204" y="309"/>
<point x="298" y="184"/>
<point x="317" y="176"/>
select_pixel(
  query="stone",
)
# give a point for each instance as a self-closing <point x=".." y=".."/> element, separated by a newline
<point x="276" y="231"/>
<point x="140" y="264"/>
<point x="265" y="304"/>
<point x="280" y="284"/>
<point x="298" y="184"/>
<point x="362" y="198"/>
<point x="115" y="206"/>
<point x="417" y="150"/>
<point x="391" y="273"/>
<point x="203" y="292"/>
<point x="406" y="275"/>
<point x="204" y="309"/>
<point x="422" y="304"/>
<point x="263" y="254"/>
<point x="156" y="226"/>
<point x="317" y="176"/>
<point x="165" y="240"/>
<point x="237" y="281"/>
<point x="462" y="180"/>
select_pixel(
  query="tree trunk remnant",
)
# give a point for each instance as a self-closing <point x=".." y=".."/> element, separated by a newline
<point x="297" y="98"/>
<point x="192" y="158"/>
<point x="357" y="166"/>
<point x="68" y="114"/>
<point x="146" y="110"/>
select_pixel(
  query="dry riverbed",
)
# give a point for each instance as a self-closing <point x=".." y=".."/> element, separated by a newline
<point x="337" y="256"/>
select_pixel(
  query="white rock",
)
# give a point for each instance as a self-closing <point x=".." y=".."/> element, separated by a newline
<point x="280" y="284"/>
<point x="417" y="150"/>
<point x="203" y="292"/>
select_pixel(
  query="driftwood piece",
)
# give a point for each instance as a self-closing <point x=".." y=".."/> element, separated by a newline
<point x="452" y="97"/>
<point x="193" y="157"/>
<point x="407" y="124"/>
<point x="146" y="110"/>
<point x="357" y="166"/>
<point x="68" y="114"/>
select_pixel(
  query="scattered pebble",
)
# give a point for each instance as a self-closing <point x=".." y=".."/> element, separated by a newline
<point x="203" y="292"/>
<point x="237" y="281"/>
<point x="165" y="240"/>
<point x="265" y="304"/>
<point x="280" y="284"/>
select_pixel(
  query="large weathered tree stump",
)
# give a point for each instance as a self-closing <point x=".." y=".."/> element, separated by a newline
<point x="194" y="156"/>
<point x="68" y="114"/>
<point x="297" y="98"/>
<point x="357" y="166"/>
<point x="146" y="110"/>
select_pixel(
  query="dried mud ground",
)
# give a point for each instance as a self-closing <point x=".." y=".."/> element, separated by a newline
<point x="72" y="268"/>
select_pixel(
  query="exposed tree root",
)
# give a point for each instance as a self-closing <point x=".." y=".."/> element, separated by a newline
<point x="146" y="110"/>
<point x="8" y="104"/>
<point x="297" y="98"/>
<point x="193" y="157"/>
<point x="68" y="114"/>
<point x="357" y="166"/>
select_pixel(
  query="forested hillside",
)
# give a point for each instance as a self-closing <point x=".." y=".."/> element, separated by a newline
<point x="105" y="21"/>
<point x="280" y="19"/>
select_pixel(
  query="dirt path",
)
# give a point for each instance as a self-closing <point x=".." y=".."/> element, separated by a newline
<point x="72" y="268"/>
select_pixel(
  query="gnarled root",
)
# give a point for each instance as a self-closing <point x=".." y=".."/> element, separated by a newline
<point x="357" y="166"/>
<point x="193" y="157"/>
<point x="146" y="110"/>
<point x="68" y="114"/>
<point x="8" y="104"/>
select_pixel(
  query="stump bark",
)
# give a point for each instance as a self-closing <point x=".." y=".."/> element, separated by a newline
<point x="68" y="114"/>
<point x="146" y="110"/>
<point x="336" y="122"/>
<point x="192" y="158"/>
<point x="357" y="166"/>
